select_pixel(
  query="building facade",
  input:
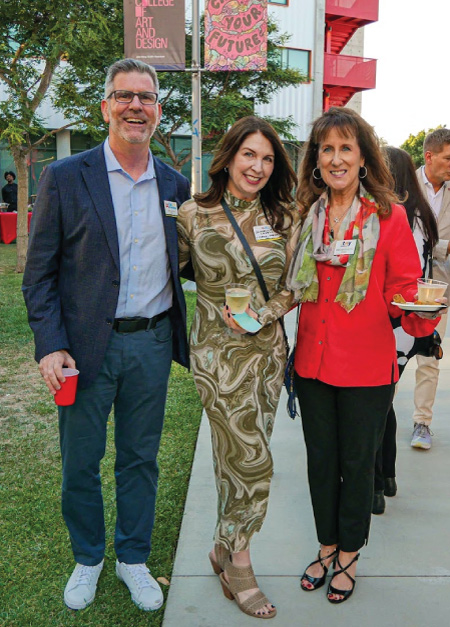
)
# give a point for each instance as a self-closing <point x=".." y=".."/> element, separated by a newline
<point x="327" y="44"/>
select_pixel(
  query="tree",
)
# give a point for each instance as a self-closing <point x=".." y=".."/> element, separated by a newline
<point x="414" y="145"/>
<point x="226" y="97"/>
<point x="56" y="52"/>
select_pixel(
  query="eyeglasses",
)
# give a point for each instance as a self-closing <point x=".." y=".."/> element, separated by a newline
<point x="125" y="97"/>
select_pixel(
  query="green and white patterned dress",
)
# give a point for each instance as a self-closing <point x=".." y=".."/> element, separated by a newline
<point x="238" y="377"/>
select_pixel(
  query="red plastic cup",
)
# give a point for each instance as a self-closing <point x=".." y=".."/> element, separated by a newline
<point x="66" y="395"/>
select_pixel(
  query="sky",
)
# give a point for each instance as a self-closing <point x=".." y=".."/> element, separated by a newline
<point x="411" y="41"/>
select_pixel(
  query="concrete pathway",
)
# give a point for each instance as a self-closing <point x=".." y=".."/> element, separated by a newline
<point x="403" y="577"/>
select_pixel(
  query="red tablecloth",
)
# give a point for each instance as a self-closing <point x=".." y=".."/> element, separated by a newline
<point x="8" y="227"/>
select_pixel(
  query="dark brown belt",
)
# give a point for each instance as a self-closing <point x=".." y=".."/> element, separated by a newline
<point x="130" y="325"/>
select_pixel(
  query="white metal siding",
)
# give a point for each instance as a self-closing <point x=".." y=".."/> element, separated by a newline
<point x="297" y="19"/>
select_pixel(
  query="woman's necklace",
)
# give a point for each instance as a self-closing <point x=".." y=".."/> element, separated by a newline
<point x="336" y="220"/>
<point x="339" y="218"/>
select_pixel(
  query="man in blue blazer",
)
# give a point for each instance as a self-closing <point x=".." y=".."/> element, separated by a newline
<point x="103" y="294"/>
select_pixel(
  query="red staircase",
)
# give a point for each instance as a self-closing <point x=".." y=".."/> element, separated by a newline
<point x="345" y="75"/>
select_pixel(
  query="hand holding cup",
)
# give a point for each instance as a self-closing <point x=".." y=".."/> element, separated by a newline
<point x="51" y="367"/>
<point x="431" y="292"/>
<point x="237" y="301"/>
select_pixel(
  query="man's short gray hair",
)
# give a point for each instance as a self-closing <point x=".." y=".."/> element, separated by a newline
<point x="437" y="140"/>
<point x="129" y="65"/>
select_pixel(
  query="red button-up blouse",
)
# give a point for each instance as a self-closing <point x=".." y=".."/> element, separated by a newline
<point x="358" y="348"/>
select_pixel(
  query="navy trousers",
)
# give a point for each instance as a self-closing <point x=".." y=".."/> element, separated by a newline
<point x="133" y="378"/>
<point x="343" y="429"/>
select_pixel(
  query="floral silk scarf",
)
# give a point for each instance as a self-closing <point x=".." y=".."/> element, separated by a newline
<point x="361" y="224"/>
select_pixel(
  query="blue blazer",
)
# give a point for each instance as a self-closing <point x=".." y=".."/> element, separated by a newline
<point x="72" y="276"/>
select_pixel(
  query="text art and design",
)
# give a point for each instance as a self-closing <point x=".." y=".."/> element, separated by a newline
<point x="155" y="32"/>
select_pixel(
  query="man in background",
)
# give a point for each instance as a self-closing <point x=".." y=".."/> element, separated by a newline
<point x="9" y="191"/>
<point x="434" y="179"/>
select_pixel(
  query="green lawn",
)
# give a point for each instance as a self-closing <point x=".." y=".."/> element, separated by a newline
<point x="35" y="556"/>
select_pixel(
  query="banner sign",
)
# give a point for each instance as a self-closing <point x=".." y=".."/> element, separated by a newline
<point x="236" y="35"/>
<point x="154" y="32"/>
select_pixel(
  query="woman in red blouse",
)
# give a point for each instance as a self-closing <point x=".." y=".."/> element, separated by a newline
<point x="356" y="251"/>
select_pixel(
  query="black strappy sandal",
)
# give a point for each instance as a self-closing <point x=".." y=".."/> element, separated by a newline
<point x="346" y="594"/>
<point x="317" y="582"/>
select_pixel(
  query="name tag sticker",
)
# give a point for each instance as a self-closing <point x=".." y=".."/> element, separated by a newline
<point x="345" y="247"/>
<point x="171" y="208"/>
<point x="265" y="232"/>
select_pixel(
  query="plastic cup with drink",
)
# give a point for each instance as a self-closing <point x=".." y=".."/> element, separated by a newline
<point x="66" y="394"/>
<point x="430" y="289"/>
<point x="237" y="297"/>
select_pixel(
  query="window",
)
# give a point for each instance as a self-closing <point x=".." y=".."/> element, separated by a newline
<point x="296" y="60"/>
<point x="79" y="142"/>
<point x="184" y="143"/>
<point x="41" y="156"/>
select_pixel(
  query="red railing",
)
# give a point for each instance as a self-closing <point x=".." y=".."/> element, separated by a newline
<point x="348" y="71"/>
<point x="365" y="10"/>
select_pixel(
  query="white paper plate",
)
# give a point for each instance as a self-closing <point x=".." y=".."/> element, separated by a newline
<point x="424" y="308"/>
<point x="247" y="322"/>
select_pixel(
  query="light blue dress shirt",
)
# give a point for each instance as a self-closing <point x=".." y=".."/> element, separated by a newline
<point x="145" y="282"/>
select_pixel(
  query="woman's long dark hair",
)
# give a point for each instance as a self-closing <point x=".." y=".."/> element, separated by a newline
<point x="408" y="190"/>
<point x="276" y="195"/>
<point x="378" y="180"/>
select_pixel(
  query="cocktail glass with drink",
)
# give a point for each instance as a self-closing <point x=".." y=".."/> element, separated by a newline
<point x="237" y="297"/>
<point x="430" y="289"/>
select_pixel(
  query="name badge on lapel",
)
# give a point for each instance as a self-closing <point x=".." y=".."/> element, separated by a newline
<point x="171" y="208"/>
<point x="265" y="232"/>
<point x="345" y="247"/>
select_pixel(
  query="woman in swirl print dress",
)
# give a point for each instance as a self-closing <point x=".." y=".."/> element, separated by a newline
<point x="239" y="375"/>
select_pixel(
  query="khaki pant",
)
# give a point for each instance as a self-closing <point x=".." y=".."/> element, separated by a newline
<point x="427" y="375"/>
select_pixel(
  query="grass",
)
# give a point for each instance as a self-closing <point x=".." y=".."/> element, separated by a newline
<point x="35" y="555"/>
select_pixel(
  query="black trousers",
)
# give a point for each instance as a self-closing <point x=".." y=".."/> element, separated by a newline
<point x="343" y="429"/>
<point x="387" y="453"/>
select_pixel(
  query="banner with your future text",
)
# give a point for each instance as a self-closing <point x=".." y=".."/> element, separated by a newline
<point x="235" y="35"/>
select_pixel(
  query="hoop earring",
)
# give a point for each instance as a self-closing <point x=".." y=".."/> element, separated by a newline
<point x="317" y="178"/>
<point x="363" y="176"/>
<point x="225" y="169"/>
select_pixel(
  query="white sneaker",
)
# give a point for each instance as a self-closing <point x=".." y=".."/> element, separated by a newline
<point x="82" y="585"/>
<point x="145" y="591"/>
<point x="421" y="436"/>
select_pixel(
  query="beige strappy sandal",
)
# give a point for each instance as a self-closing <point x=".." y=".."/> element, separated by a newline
<point x="241" y="579"/>
<point x="222" y="557"/>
